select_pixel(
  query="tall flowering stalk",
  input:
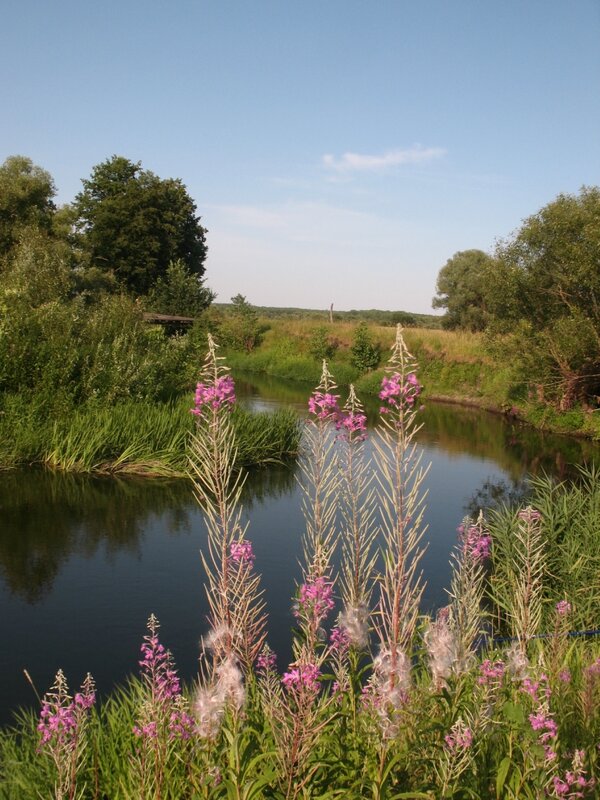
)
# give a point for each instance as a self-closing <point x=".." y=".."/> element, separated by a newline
<point x="164" y="714"/>
<point x="358" y="531"/>
<point x="457" y="755"/>
<point x="451" y="640"/>
<point x="237" y="615"/>
<point x="400" y="476"/>
<point x="528" y="567"/>
<point x="319" y="485"/>
<point x="296" y="706"/>
<point x="62" y="727"/>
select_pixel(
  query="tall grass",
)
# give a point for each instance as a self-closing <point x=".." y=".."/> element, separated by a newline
<point x="133" y="437"/>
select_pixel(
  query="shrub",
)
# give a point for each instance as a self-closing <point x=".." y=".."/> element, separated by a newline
<point x="365" y="354"/>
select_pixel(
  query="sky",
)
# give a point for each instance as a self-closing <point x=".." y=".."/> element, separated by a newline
<point x="337" y="152"/>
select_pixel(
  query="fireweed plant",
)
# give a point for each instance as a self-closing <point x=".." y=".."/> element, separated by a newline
<point x="491" y="698"/>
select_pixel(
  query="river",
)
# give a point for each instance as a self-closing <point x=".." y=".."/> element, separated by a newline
<point x="84" y="560"/>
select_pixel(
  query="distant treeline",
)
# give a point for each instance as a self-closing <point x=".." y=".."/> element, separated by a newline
<point x="372" y="315"/>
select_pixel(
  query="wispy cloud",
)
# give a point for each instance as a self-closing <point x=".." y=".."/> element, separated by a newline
<point x="361" y="162"/>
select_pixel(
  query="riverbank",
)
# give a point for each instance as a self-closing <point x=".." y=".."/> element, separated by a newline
<point x="454" y="367"/>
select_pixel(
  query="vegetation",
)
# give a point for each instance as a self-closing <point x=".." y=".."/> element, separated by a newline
<point x="365" y="354"/>
<point x="240" y="328"/>
<point x="388" y="703"/>
<point x="538" y="299"/>
<point x="132" y="224"/>
<point x="133" y="437"/>
<point x="85" y="383"/>
<point x="372" y="316"/>
<point x="462" y="288"/>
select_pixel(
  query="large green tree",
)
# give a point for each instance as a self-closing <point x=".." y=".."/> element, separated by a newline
<point x="26" y="201"/>
<point x="134" y="224"/>
<point x="462" y="287"/>
<point x="546" y="295"/>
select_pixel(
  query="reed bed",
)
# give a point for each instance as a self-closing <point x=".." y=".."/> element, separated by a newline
<point x="134" y="437"/>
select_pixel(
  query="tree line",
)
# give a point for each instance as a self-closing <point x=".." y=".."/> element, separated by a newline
<point x="537" y="299"/>
<point x="127" y="230"/>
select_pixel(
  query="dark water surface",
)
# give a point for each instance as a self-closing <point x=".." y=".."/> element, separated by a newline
<point x="85" y="560"/>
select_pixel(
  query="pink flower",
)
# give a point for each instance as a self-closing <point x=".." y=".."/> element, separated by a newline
<point x="460" y="737"/>
<point x="339" y="640"/>
<point x="490" y="672"/>
<point x="267" y="660"/>
<point x="315" y="599"/>
<point x="352" y="423"/>
<point x="394" y="392"/>
<point x="62" y="718"/>
<point x="324" y="405"/>
<point x="541" y="721"/>
<point x="563" y="607"/>
<point x="476" y="542"/>
<point x="302" y="676"/>
<point x="241" y="552"/>
<point x="221" y="394"/>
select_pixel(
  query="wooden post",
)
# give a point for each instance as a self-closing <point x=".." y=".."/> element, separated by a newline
<point x="331" y="313"/>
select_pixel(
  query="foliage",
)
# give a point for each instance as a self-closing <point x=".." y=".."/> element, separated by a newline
<point x="131" y="436"/>
<point x="462" y="286"/>
<point x="132" y="223"/>
<point x="373" y="316"/>
<point x="26" y="201"/>
<point x="179" y="292"/>
<point x="545" y="297"/>
<point x="365" y="354"/>
<point x="240" y="329"/>
<point x="321" y="344"/>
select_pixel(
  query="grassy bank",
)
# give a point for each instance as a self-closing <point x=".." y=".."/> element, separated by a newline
<point x="453" y="366"/>
<point x="131" y="437"/>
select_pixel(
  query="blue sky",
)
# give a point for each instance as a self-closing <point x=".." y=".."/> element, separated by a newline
<point x="337" y="151"/>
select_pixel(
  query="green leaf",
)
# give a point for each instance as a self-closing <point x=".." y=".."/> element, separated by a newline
<point x="503" y="769"/>
<point x="512" y="712"/>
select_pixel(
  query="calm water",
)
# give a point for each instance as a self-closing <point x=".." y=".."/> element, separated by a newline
<point x="83" y="561"/>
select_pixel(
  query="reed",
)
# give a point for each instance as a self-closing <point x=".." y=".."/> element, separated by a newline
<point x="134" y="437"/>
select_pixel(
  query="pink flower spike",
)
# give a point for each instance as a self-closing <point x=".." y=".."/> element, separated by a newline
<point x="563" y="607"/>
<point x="302" y="676"/>
<point x="242" y="553"/>
<point x="217" y="396"/>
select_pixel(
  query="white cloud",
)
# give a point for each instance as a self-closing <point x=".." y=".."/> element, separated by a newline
<point x="358" y="162"/>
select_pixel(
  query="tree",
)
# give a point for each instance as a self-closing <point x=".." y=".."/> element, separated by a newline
<point x="135" y="224"/>
<point x="546" y="294"/>
<point x="26" y="200"/>
<point x="365" y="354"/>
<point x="461" y="287"/>
<point x="179" y="293"/>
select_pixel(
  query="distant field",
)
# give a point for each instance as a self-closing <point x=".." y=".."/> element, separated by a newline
<point x="372" y="315"/>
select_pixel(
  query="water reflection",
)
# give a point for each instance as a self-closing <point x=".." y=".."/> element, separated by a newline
<point x="48" y="518"/>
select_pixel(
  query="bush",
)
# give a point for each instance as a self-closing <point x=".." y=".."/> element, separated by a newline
<point x="365" y="354"/>
<point x="321" y="345"/>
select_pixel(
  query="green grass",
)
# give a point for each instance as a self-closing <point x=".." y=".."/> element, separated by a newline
<point x="132" y="437"/>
